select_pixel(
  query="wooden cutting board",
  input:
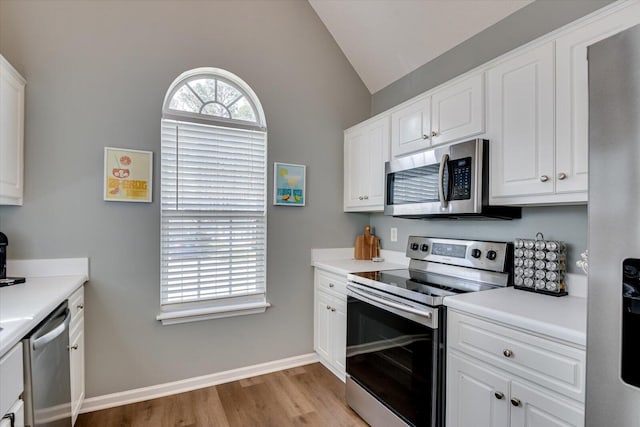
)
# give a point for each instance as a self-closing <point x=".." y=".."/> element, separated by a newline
<point x="367" y="245"/>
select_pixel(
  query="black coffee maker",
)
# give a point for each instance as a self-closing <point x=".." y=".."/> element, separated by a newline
<point x="4" y="280"/>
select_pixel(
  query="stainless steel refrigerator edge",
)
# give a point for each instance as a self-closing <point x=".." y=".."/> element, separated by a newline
<point x="614" y="221"/>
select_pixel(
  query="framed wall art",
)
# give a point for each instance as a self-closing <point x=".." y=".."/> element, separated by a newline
<point x="127" y="175"/>
<point x="289" y="182"/>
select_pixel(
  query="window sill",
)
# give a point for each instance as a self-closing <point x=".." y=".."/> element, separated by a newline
<point x="187" y="315"/>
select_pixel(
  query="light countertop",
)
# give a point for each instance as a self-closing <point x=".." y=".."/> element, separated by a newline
<point x="24" y="305"/>
<point x="341" y="261"/>
<point x="563" y="318"/>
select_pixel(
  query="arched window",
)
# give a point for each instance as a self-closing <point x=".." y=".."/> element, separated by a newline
<point x="213" y="198"/>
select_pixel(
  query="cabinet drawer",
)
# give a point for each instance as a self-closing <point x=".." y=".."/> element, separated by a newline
<point x="332" y="283"/>
<point x="18" y="413"/>
<point x="76" y="305"/>
<point x="543" y="361"/>
<point x="12" y="381"/>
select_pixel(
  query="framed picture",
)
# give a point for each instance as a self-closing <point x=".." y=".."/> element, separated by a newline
<point x="127" y="175"/>
<point x="289" y="184"/>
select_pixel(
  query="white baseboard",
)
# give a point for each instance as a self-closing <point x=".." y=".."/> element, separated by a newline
<point x="160" y="390"/>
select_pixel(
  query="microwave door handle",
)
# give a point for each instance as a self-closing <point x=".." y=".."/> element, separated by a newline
<point x="443" y="164"/>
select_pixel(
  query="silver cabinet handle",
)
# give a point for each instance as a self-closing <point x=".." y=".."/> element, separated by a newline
<point x="507" y="353"/>
<point x="425" y="136"/>
<point x="562" y="176"/>
<point x="434" y="133"/>
<point x="515" y="402"/>
<point x="544" y="178"/>
<point x="80" y="306"/>
<point x="499" y="395"/>
<point x="73" y="347"/>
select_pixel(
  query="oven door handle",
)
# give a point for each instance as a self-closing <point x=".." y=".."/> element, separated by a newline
<point x="366" y="295"/>
<point x="443" y="197"/>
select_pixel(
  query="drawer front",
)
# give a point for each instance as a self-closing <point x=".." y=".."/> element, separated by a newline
<point x="12" y="380"/>
<point x="543" y="361"/>
<point x="76" y="305"/>
<point x="18" y="413"/>
<point x="332" y="283"/>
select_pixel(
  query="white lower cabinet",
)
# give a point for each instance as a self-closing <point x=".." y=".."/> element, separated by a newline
<point x="330" y="321"/>
<point x="76" y="351"/>
<point x="11" y="387"/>
<point x="15" y="416"/>
<point x="502" y="376"/>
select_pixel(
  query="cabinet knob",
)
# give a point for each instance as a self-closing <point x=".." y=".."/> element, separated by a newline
<point x="544" y="178"/>
<point x="499" y="395"/>
<point x="328" y="308"/>
<point x="434" y="133"/>
<point x="73" y="347"/>
<point x="80" y="306"/>
<point x="360" y="198"/>
<point x="366" y="197"/>
<point x="333" y="309"/>
<point x="425" y="136"/>
<point x="507" y="353"/>
<point x="331" y="285"/>
<point x="562" y="176"/>
<point x="515" y="402"/>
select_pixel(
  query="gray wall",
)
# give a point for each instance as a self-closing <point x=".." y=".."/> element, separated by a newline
<point x="562" y="223"/>
<point x="97" y="73"/>
<point x="526" y="24"/>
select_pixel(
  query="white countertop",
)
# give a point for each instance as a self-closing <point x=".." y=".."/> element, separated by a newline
<point x="24" y="305"/>
<point x="563" y="318"/>
<point x="341" y="261"/>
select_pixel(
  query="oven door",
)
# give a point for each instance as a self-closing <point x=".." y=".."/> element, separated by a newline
<point x="442" y="181"/>
<point x="396" y="354"/>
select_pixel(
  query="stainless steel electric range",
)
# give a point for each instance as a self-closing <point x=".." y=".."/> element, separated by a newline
<point x="396" y="327"/>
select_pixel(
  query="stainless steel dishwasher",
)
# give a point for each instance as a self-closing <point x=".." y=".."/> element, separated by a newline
<point x="47" y="385"/>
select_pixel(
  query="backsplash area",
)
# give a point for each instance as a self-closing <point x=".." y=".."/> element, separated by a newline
<point x="566" y="223"/>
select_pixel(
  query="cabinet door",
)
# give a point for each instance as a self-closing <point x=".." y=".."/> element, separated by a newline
<point x="323" y="325"/>
<point x="339" y="326"/>
<point x="572" y="96"/>
<point x="520" y="124"/>
<point x="411" y="127"/>
<point x="458" y="111"/>
<point x="532" y="407"/>
<point x="476" y="395"/>
<point x="366" y="149"/>
<point x="11" y="134"/>
<point x="76" y="362"/>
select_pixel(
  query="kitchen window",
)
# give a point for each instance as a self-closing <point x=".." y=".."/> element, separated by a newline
<point x="213" y="199"/>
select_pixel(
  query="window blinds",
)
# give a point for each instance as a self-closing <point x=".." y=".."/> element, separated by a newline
<point x="213" y="221"/>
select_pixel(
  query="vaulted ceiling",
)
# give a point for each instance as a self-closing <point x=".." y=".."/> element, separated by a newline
<point x="386" y="39"/>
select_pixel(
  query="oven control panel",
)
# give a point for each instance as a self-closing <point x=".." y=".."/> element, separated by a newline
<point x="484" y="255"/>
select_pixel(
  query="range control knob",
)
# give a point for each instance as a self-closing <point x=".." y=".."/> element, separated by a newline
<point x="424" y="247"/>
<point x="476" y="253"/>
<point x="414" y="246"/>
<point x="491" y="255"/>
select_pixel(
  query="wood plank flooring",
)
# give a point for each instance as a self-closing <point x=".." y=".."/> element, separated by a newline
<point x="304" y="396"/>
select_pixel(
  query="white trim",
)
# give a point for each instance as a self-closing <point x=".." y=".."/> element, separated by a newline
<point x="160" y="390"/>
<point x="48" y="267"/>
<point x="207" y="313"/>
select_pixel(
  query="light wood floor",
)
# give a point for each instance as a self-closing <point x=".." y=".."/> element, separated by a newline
<point x="305" y="396"/>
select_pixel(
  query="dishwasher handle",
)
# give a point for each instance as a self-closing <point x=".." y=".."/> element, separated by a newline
<point x="54" y="333"/>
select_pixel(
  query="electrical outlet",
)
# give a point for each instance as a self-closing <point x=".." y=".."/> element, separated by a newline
<point x="394" y="234"/>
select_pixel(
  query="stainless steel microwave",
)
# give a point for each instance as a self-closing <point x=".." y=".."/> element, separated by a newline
<point x="447" y="181"/>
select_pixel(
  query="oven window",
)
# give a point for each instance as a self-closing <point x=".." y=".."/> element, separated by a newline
<point x="395" y="359"/>
<point x="418" y="185"/>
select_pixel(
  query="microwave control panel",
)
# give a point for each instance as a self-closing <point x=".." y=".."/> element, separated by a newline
<point x="461" y="179"/>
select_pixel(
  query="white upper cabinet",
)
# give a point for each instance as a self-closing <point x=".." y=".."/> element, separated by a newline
<point x="453" y="112"/>
<point x="457" y="111"/>
<point x="520" y="124"/>
<point x="411" y="127"/>
<point x="366" y="149"/>
<point x="572" y="95"/>
<point x="11" y="134"/>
